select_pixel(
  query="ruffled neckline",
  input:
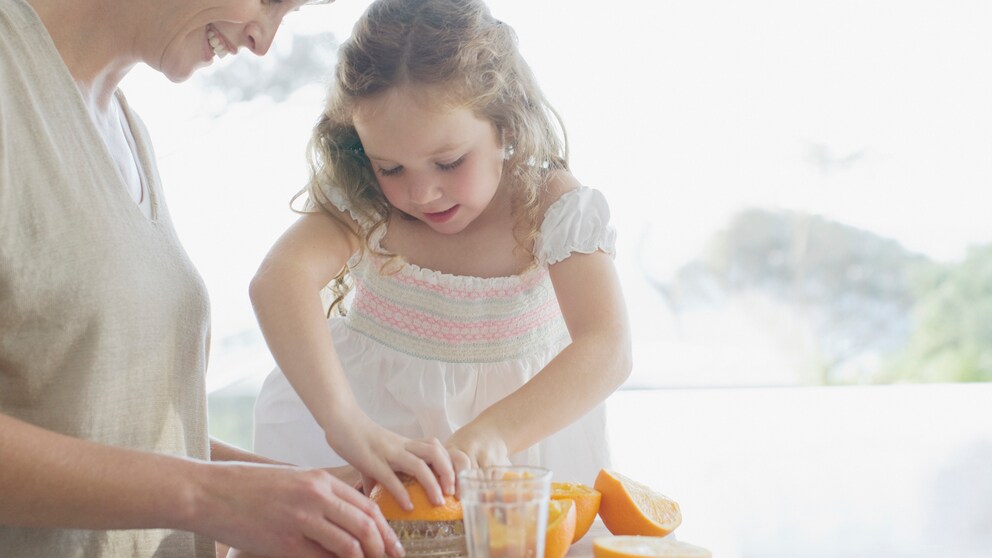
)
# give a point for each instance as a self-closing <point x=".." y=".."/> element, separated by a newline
<point x="464" y="281"/>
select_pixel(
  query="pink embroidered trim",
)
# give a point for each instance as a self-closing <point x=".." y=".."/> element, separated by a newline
<point x="445" y="330"/>
<point x="532" y="279"/>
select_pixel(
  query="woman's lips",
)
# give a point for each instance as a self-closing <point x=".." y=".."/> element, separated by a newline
<point x="442" y="216"/>
<point x="218" y="45"/>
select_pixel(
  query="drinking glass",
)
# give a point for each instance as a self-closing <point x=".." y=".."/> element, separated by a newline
<point x="505" y="510"/>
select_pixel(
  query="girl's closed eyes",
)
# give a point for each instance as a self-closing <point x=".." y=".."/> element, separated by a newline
<point x="452" y="165"/>
<point x="443" y="166"/>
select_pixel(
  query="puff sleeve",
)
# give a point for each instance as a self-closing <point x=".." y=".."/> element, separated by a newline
<point x="338" y="199"/>
<point x="579" y="221"/>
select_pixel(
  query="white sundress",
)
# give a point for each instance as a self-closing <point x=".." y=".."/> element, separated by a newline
<point x="426" y="352"/>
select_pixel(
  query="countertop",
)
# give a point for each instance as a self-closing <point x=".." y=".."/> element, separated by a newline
<point x="583" y="548"/>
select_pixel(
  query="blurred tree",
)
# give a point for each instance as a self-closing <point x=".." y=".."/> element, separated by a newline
<point x="952" y="337"/>
<point x="309" y="59"/>
<point x="850" y="287"/>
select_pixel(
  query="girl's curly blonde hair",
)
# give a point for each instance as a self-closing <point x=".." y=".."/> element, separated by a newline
<point x="458" y="47"/>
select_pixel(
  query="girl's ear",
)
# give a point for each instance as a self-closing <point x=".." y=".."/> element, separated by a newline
<point x="506" y="139"/>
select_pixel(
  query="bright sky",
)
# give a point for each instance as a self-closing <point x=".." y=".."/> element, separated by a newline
<point x="876" y="114"/>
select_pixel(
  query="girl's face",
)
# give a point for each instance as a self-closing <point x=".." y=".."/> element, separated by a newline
<point x="441" y="166"/>
<point x="209" y="29"/>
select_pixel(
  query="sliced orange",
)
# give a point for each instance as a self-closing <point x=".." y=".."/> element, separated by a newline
<point x="586" y="504"/>
<point x="645" y="547"/>
<point x="423" y="509"/>
<point x="631" y="508"/>
<point x="561" y="528"/>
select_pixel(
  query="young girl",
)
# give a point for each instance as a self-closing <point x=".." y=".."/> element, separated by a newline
<point x="487" y="311"/>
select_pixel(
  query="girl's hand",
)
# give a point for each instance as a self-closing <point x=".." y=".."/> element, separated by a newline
<point x="472" y="447"/>
<point x="379" y="454"/>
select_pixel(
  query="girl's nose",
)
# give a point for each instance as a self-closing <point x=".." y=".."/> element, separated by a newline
<point x="423" y="192"/>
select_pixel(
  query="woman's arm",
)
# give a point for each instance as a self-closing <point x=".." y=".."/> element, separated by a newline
<point x="51" y="480"/>
<point x="220" y="451"/>
<point x="285" y="293"/>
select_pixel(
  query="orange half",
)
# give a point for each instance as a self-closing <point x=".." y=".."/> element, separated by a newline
<point x="645" y="547"/>
<point x="561" y="528"/>
<point x="631" y="508"/>
<point x="586" y="504"/>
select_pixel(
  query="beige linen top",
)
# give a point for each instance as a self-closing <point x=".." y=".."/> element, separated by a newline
<point x="103" y="318"/>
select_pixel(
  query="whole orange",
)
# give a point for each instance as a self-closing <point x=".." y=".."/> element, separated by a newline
<point x="423" y="509"/>
<point x="631" y="508"/>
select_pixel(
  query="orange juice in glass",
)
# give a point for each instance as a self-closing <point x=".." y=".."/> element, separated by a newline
<point x="505" y="510"/>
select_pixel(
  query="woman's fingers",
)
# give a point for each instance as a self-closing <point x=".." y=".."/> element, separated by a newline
<point x="298" y="513"/>
<point x="338" y="532"/>
<point x="382" y="533"/>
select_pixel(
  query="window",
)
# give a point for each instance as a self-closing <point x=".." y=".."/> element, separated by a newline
<point x="799" y="195"/>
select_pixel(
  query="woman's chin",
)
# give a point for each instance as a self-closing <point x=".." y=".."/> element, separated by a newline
<point x="182" y="71"/>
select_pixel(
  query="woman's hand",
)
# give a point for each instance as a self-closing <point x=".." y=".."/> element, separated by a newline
<point x="379" y="454"/>
<point x="285" y="511"/>
<point x="472" y="446"/>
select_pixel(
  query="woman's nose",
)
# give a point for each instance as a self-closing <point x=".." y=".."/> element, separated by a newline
<point x="258" y="36"/>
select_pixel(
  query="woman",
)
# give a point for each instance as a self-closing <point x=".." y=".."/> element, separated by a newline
<point x="103" y="319"/>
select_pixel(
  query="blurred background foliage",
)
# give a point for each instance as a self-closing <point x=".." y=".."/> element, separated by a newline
<point x="872" y="311"/>
<point x="952" y="317"/>
<point x="306" y="59"/>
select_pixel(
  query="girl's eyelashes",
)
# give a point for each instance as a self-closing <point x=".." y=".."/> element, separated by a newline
<point x="452" y="165"/>
<point x="443" y="166"/>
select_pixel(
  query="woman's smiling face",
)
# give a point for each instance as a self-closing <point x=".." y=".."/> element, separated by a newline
<point x="441" y="166"/>
<point x="216" y="28"/>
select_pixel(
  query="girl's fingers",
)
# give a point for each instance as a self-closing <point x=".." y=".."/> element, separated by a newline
<point x="385" y="476"/>
<point x="366" y="484"/>
<point x="460" y="461"/>
<point x="418" y="468"/>
<point x="437" y="457"/>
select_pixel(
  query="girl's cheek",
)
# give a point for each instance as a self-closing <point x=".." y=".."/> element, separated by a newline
<point x="390" y="189"/>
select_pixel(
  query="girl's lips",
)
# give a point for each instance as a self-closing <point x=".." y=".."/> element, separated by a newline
<point x="442" y="216"/>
